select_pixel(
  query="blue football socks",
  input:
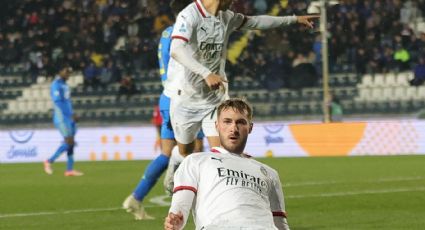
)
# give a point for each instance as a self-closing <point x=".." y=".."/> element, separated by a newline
<point x="152" y="174"/>
<point x="70" y="162"/>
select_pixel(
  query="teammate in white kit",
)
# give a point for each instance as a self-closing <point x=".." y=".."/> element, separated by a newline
<point x="200" y="38"/>
<point x="225" y="188"/>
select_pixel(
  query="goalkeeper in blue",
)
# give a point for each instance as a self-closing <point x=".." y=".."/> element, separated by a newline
<point x="64" y="120"/>
<point x="133" y="203"/>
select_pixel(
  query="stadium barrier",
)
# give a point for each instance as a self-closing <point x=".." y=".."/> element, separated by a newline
<point x="276" y="139"/>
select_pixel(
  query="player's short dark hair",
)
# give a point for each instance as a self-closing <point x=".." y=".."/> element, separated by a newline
<point x="178" y="5"/>
<point x="237" y="104"/>
<point x="64" y="65"/>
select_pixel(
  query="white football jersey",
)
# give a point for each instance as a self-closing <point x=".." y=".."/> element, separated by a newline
<point x="231" y="191"/>
<point x="175" y="78"/>
<point x="207" y="36"/>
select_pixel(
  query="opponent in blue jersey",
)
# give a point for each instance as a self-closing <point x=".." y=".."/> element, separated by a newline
<point x="64" y="120"/>
<point x="133" y="203"/>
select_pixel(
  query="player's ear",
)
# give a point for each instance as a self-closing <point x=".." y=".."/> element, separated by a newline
<point x="251" y="125"/>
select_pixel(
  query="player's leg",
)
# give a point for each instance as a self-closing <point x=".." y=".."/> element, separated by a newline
<point x="61" y="126"/>
<point x="175" y="160"/>
<point x="70" y="151"/>
<point x="155" y="169"/>
<point x="133" y="203"/>
<point x="209" y="129"/>
<point x="185" y="130"/>
<point x="199" y="142"/>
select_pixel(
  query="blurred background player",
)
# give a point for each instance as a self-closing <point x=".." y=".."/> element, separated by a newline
<point x="225" y="188"/>
<point x="133" y="202"/>
<point x="64" y="120"/>
<point x="199" y="43"/>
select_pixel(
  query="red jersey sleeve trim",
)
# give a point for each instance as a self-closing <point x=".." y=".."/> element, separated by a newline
<point x="180" y="37"/>
<point x="245" y="19"/>
<point x="179" y="188"/>
<point x="280" y="213"/>
<point x="215" y="150"/>
<point x="200" y="9"/>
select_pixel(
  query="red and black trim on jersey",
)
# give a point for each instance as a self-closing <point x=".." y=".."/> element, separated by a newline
<point x="190" y="188"/>
<point x="200" y="9"/>
<point x="180" y="37"/>
<point x="244" y="20"/>
<point x="280" y="213"/>
<point x="213" y="150"/>
<point x="217" y="150"/>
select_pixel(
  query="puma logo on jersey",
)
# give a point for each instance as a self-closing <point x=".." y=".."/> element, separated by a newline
<point x="217" y="159"/>
<point x="203" y="29"/>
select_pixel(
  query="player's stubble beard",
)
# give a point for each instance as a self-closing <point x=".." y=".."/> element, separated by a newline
<point x="233" y="148"/>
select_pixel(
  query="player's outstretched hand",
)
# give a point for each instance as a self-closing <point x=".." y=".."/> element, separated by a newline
<point x="215" y="81"/>
<point x="173" y="221"/>
<point x="307" y="20"/>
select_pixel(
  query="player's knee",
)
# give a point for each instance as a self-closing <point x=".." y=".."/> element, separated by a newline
<point x="69" y="140"/>
<point x="70" y="150"/>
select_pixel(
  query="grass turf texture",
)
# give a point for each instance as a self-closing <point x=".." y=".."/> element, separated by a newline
<point x="320" y="193"/>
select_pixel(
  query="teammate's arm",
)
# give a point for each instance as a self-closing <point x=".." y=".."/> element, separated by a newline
<point x="263" y="22"/>
<point x="181" y="52"/>
<point x="164" y="51"/>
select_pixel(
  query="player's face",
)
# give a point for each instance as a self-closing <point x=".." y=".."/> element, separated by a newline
<point x="65" y="73"/>
<point x="233" y="128"/>
<point x="225" y="4"/>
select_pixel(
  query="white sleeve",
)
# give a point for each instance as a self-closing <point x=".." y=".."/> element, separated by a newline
<point x="181" y="52"/>
<point x="180" y="49"/>
<point x="186" y="176"/>
<point x="186" y="180"/>
<point x="182" y="202"/>
<point x="183" y="27"/>
<point x="267" y="22"/>
<point x="236" y="20"/>
<point x="277" y="203"/>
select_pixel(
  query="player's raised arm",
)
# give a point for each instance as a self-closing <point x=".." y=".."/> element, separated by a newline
<point x="181" y="52"/>
<point x="268" y="22"/>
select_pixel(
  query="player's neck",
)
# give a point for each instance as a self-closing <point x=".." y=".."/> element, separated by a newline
<point x="211" y="6"/>
<point x="240" y="153"/>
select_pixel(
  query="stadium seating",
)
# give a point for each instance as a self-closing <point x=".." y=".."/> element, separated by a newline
<point x="24" y="102"/>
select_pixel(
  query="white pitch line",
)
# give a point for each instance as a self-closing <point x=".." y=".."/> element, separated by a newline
<point x="68" y="211"/>
<point x="314" y="183"/>
<point x="11" y="215"/>
<point x="372" y="192"/>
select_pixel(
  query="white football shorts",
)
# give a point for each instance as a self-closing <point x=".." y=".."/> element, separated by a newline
<point x="188" y="122"/>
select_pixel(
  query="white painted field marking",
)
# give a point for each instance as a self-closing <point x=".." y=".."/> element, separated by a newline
<point x="160" y="201"/>
<point x="315" y="183"/>
<point x="357" y="193"/>
<point x="164" y="200"/>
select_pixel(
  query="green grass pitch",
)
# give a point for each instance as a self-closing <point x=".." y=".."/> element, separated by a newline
<point x="321" y="193"/>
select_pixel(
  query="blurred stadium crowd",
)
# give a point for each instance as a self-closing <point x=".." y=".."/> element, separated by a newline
<point x="109" y="39"/>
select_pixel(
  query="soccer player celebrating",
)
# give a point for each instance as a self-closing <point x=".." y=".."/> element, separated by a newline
<point x="133" y="203"/>
<point x="200" y="38"/>
<point x="64" y="120"/>
<point x="225" y="188"/>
